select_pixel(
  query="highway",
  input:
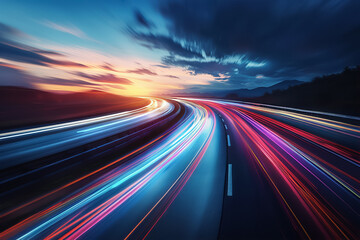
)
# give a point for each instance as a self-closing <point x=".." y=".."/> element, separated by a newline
<point x="184" y="168"/>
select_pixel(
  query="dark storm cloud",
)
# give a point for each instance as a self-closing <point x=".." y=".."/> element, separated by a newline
<point x="105" y="78"/>
<point x="140" y="18"/>
<point x="14" y="51"/>
<point x="298" y="39"/>
<point x="312" y="36"/>
<point x="142" y="71"/>
<point x="163" y="42"/>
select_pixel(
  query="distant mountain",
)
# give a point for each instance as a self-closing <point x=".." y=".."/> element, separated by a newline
<point x="337" y="93"/>
<point x="260" y="91"/>
<point x="239" y="93"/>
<point x="24" y="106"/>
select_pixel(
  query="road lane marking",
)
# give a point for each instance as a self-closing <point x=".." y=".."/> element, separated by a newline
<point x="225" y="127"/>
<point x="229" y="188"/>
<point x="222" y="119"/>
<point x="228" y="138"/>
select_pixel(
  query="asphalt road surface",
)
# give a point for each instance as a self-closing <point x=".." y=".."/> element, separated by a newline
<point x="184" y="169"/>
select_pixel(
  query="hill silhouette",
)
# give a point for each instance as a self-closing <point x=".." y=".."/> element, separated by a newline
<point x="260" y="91"/>
<point x="24" y="106"/>
<point x="337" y="93"/>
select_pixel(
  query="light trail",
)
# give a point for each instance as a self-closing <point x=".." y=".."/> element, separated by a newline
<point x="309" y="163"/>
<point x="13" y="134"/>
<point x="74" y="134"/>
<point x="117" y="186"/>
<point x="312" y="188"/>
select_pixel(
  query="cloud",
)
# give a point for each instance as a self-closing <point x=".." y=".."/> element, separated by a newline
<point x="311" y="37"/>
<point x="13" y="76"/>
<point x="19" y="54"/>
<point x="238" y="41"/>
<point x="68" y="64"/>
<point x="171" y="76"/>
<point x="72" y="30"/>
<point x="166" y="43"/>
<point x="7" y="32"/>
<point x="10" y="65"/>
<point x="14" y="51"/>
<point x="109" y="67"/>
<point x="142" y="20"/>
<point x="65" y="82"/>
<point x="46" y="52"/>
<point x="255" y="64"/>
<point x="105" y="78"/>
<point x="228" y="74"/>
<point x="214" y="68"/>
<point x="142" y="71"/>
<point x="161" y="65"/>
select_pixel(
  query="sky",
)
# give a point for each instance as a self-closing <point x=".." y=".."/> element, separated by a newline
<point x="147" y="48"/>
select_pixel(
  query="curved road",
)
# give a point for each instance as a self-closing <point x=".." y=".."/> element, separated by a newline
<point x="184" y="169"/>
